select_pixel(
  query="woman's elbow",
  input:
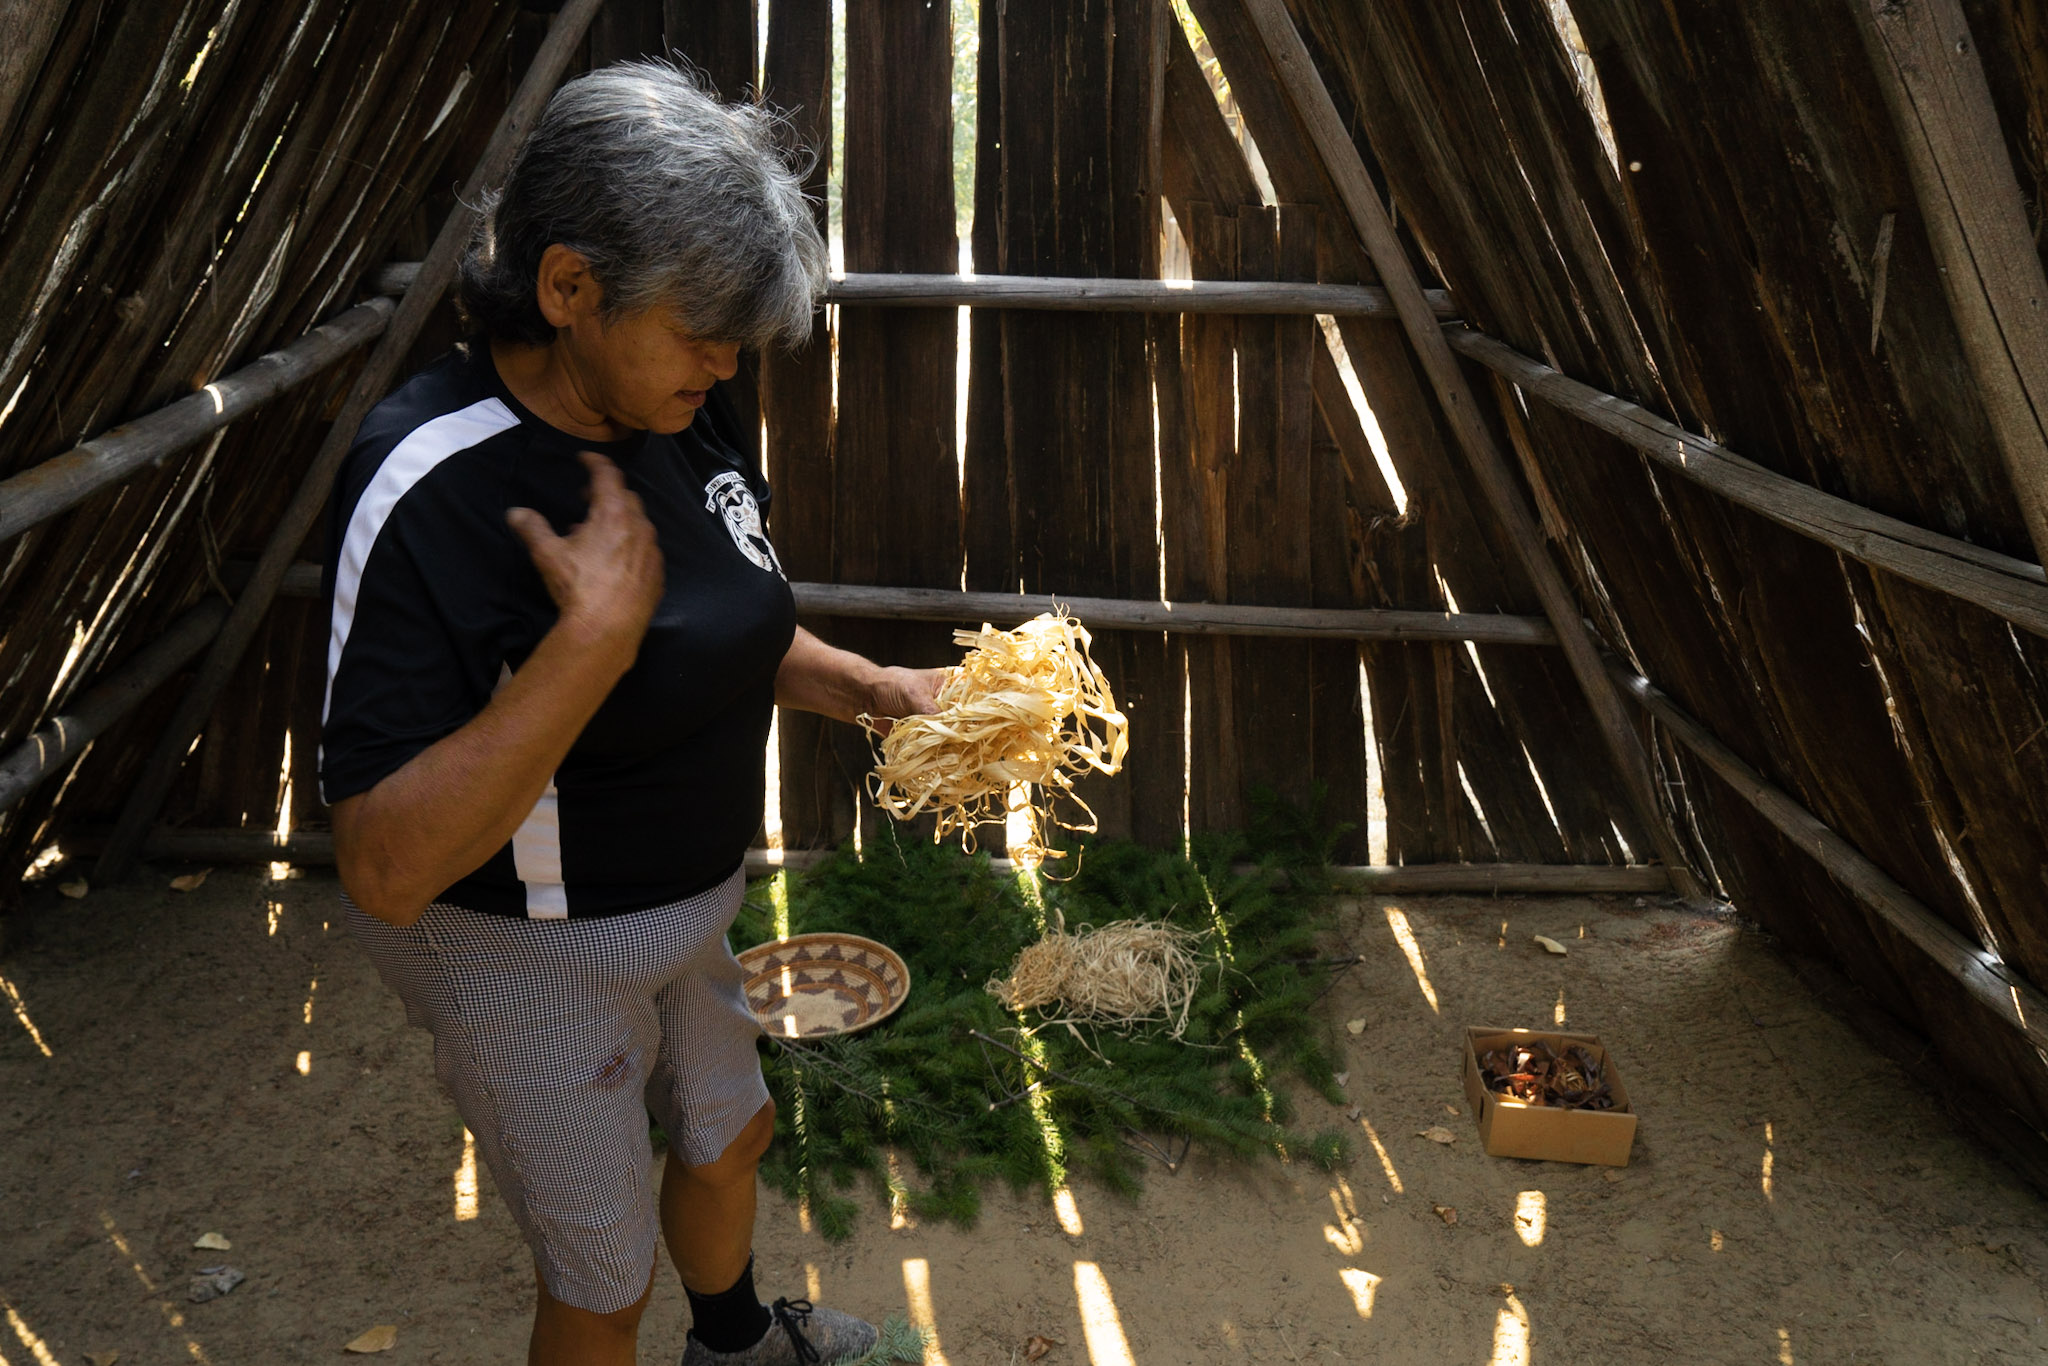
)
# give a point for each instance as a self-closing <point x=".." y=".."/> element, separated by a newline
<point x="373" y="900"/>
<point x="371" y="882"/>
<point x="373" y="893"/>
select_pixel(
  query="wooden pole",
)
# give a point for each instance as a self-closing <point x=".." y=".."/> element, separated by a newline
<point x="302" y="580"/>
<point x="1561" y="879"/>
<point x="1933" y="83"/>
<point x="316" y="848"/>
<point x="1077" y="294"/>
<point x="1318" y="115"/>
<point x="1992" y="983"/>
<point x="42" y="491"/>
<point x="64" y="736"/>
<point x="1181" y="618"/>
<point x="2014" y="589"/>
<point x="565" y="34"/>
<point x="1070" y="294"/>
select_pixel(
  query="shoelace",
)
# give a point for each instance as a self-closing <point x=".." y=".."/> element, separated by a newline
<point x="792" y="1314"/>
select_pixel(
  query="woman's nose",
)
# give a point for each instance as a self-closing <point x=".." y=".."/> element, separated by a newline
<point x="724" y="358"/>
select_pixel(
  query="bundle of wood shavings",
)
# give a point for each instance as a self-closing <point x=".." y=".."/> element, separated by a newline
<point x="1024" y="707"/>
<point x="1130" y="973"/>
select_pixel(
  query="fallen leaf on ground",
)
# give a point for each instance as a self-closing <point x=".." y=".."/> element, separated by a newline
<point x="1446" y="1213"/>
<point x="1355" y="1113"/>
<point x="74" y="890"/>
<point x="378" y="1339"/>
<point x="1341" y="1078"/>
<point x="190" y="882"/>
<point x="1355" y="1026"/>
<point x="1549" y="945"/>
<point x="1037" y="1346"/>
<point x="1452" y="1110"/>
<point x="1437" y="1133"/>
<point x="102" y="1358"/>
<point x="1610" y="1175"/>
<point x="212" y="1242"/>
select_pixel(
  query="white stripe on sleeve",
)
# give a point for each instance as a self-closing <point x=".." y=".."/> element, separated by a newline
<point x="410" y="461"/>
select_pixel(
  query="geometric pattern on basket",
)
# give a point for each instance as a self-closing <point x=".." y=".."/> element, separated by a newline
<point x="812" y="986"/>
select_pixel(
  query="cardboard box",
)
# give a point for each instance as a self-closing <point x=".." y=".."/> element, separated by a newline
<point x="1509" y="1128"/>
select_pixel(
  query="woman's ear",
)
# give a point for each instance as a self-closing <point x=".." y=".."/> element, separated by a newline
<point x="564" y="287"/>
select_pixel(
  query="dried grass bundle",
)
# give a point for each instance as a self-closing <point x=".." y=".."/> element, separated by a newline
<point x="1025" y="706"/>
<point x="1130" y="973"/>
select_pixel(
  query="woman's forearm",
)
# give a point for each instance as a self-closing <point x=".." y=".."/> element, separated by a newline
<point x="831" y="682"/>
<point x="458" y="801"/>
<point x="842" y="685"/>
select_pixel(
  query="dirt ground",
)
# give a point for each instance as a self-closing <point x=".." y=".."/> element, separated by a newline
<point x="225" y="1061"/>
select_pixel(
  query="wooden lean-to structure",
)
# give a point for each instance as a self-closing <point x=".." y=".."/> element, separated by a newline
<point x="1605" y="440"/>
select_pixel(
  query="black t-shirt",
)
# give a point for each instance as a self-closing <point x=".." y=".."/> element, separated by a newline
<point x="435" y="601"/>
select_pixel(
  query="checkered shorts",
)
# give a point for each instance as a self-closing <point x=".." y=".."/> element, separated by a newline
<point x="557" y="1037"/>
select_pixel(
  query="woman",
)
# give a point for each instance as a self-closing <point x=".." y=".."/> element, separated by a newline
<point x="558" y="635"/>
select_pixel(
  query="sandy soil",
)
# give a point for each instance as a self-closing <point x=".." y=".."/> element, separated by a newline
<point x="225" y="1061"/>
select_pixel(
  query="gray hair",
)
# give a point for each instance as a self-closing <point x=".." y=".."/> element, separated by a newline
<point x="673" y="199"/>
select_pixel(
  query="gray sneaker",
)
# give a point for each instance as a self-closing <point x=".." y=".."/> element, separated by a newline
<point x="798" y="1335"/>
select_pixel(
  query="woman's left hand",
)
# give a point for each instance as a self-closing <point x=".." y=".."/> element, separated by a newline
<point x="903" y="692"/>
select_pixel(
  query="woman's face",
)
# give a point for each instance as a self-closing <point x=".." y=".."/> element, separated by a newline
<point x="644" y="371"/>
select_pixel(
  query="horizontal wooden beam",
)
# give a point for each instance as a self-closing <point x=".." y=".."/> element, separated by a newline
<point x="1072" y="294"/>
<point x="42" y="491"/>
<point x="1574" y="879"/>
<point x="1081" y="294"/>
<point x="315" y="848"/>
<point x="2013" y="588"/>
<point x="1991" y="982"/>
<point x="1185" y="618"/>
<point x="64" y="736"/>
<point x="1112" y="614"/>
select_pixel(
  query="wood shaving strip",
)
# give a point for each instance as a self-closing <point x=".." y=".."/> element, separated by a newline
<point x="1025" y="706"/>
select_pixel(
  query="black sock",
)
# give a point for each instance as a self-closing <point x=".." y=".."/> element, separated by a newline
<point x="731" y="1320"/>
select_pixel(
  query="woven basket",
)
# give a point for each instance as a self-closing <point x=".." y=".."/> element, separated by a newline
<point x="812" y="986"/>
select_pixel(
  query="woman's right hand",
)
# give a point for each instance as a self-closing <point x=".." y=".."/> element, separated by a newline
<point x="606" y="575"/>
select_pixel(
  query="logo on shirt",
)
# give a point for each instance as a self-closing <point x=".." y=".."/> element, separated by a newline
<point x="729" y="496"/>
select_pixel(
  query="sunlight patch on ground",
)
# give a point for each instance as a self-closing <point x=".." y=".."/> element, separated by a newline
<point x="1347" y="1235"/>
<point x="1066" y="1212"/>
<point x="1363" y="1285"/>
<point x="917" y="1291"/>
<point x="1405" y="937"/>
<point x="1100" y="1323"/>
<point x="1532" y="1217"/>
<point x="1386" y="1163"/>
<point x="39" y="1349"/>
<point x="465" y="1180"/>
<point x="21" y="1013"/>
<point x="170" y="1311"/>
<point x="1511" y="1335"/>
